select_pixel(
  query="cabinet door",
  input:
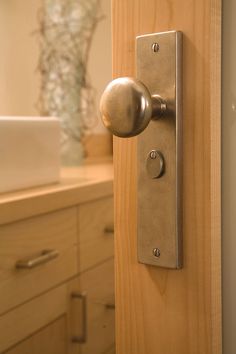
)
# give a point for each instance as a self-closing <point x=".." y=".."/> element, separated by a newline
<point x="92" y="315"/>
<point x="96" y="233"/>
<point x="98" y="283"/>
<point x="52" y="339"/>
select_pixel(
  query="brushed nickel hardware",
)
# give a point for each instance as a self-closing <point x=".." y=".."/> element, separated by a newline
<point x="44" y="257"/>
<point x="109" y="229"/>
<point x="83" y="337"/>
<point x="160" y="199"/>
<point x="127" y="107"/>
<point x="155" y="164"/>
<point x="156" y="252"/>
<point x="155" y="47"/>
<point x="151" y="104"/>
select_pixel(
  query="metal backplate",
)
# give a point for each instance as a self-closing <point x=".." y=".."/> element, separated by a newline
<point x="159" y="58"/>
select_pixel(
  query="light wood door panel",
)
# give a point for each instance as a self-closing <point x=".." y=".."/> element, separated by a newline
<point x="173" y="311"/>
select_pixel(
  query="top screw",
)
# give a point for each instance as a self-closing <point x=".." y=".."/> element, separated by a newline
<point x="155" y="47"/>
<point x="153" y="154"/>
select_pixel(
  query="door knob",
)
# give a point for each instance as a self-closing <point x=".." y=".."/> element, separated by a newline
<point x="127" y="107"/>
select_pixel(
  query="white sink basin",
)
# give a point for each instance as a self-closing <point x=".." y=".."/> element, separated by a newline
<point x="29" y="152"/>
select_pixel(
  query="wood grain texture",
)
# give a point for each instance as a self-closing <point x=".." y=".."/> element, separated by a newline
<point x="158" y="310"/>
<point x="95" y="244"/>
<point x="215" y="109"/>
<point x="25" y="320"/>
<point x="50" y="340"/>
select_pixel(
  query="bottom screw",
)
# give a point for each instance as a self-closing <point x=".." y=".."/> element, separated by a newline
<point x="156" y="252"/>
<point x="155" y="47"/>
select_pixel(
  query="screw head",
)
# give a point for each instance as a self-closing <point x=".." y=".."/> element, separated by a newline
<point x="156" y="252"/>
<point x="153" y="154"/>
<point x="155" y="47"/>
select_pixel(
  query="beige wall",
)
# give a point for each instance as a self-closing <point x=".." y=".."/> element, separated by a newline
<point x="229" y="176"/>
<point x="100" y="60"/>
<point x="19" y="53"/>
<point x="19" y="50"/>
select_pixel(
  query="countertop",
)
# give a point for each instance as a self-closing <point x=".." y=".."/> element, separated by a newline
<point x="78" y="185"/>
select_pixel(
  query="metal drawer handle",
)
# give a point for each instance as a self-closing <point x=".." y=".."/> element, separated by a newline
<point x="83" y="337"/>
<point x="44" y="257"/>
<point x="109" y="229"/>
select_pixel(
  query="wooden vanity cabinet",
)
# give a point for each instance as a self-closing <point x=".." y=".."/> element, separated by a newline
<point x="65" y="305"/>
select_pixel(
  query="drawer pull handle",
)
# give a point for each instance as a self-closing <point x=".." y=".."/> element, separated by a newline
<point x="44" y="257"/>
<point x="109" y="229"/>
<point x="83" y="337"/>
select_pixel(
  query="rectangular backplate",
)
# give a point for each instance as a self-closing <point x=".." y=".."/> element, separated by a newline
<point x="159" y="67"/>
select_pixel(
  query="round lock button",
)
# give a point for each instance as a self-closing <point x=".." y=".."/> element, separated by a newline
<point x="155" y="164"/>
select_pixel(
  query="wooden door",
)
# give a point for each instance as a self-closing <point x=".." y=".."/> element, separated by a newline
<point x="163" y="311"/>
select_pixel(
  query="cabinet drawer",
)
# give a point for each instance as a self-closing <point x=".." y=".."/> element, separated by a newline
<point x="51" y="339"/>
<point x="96" y="232"/>
<point x="26" y="240"/>
<point x="24" y="321"/>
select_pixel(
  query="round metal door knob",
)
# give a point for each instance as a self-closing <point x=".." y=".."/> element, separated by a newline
<point x="127" y="107"/>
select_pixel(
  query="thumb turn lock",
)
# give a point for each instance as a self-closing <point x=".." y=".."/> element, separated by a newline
<point x="127" y="107"/>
